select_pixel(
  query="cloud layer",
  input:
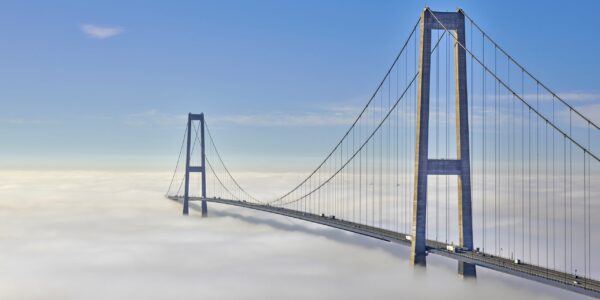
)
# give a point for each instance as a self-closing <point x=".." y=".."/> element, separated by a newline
<point x="111" y="235"/>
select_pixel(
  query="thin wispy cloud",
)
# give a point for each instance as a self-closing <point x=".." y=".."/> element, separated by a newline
<point x="532" y="97"/>
<point x="590" y="111"/>
<point x="154" y="117"/>
<point x="328" y="116"/>
<point x="21" y="121"/>
<point x="278" y="119"/>
<point x="578" y="96"/>
<point x="332" y="115"/>
<point x="100" y="32"/>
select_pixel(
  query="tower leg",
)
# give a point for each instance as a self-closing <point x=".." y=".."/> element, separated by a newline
<point x="204" y="209"/>
<point x="186" y="196"/>
<point x="465" y="213"/>
<point x="466" y="269"/>
<point x="203" y="154"/>
<point x="418" y="247"/>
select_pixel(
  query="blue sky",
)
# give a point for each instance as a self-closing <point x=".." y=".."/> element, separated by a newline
<point x="107" y="83"/>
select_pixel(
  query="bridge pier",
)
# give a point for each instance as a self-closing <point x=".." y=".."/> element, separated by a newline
<point x="191" y="169"/>
<point x="466" y="269"/>
<point x="424" y="166"/>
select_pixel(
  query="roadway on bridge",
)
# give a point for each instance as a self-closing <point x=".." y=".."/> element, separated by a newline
<point x="567" y="281"/>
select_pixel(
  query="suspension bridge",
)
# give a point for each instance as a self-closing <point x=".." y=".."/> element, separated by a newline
<point x="459" y="152"/>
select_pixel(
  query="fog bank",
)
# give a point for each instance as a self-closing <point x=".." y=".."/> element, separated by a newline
<point x="112" y="235"/>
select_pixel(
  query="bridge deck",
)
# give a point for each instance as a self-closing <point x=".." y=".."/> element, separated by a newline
<point x="556" y="278"/>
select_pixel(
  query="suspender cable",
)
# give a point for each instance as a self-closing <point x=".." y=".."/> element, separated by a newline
<point x="588" y="210"/>
<point x="496" y="179"/>
<point x="360" y="179"/>
<point x="388" y="162"/>
<point x="396" y="184"/>
<point x="514" y="186"/>
<point x="483" y="91"/>
<point x="522" y="183"/>
<point x="553" y="191"/>
<point x="381" y="169"/>
<point x="447" y="131"/>
<point x="529" y="178"/>
<point x="537" y="173"/>
<point x="547" y="199"/>
<point x="374" y="176"/>
<point x="353" y="178"/>
<point x="585" y="220"/>
<point x="367" y="179"/>
<point x="565" y="200"/>
<point x="571" y="192"/>
<point x="437" y="136"/>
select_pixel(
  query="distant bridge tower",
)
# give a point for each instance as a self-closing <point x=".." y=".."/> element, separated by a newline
<point x="453" y="21"/>
<point x="191" y="169"/>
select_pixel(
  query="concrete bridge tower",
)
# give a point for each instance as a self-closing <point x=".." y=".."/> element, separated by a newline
<point x="455" y="23"/>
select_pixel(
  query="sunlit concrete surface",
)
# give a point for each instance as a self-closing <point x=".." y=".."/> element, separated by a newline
<point x="113" y="235"/>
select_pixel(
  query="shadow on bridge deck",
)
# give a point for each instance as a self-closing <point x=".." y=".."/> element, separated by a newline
<point x="330" y="234"/>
